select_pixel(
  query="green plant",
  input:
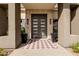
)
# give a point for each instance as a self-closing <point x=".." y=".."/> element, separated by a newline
<point x="2" y="52"/>
<point x="22" y="30"/>
<point x="75" y="47"/>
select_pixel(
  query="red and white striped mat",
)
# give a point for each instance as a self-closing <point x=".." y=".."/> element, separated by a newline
<point x="40" y="44"/>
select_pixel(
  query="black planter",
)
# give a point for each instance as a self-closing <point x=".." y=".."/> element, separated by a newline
<point x="54" y="37"/>
<point x="24" y="38"/>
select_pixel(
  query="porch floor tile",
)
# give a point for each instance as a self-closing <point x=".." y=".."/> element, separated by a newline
<point x="40" y="44"/>
<point x="41" y="48"/>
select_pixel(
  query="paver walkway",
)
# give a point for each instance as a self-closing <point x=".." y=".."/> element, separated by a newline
<point x="41" y="48"/>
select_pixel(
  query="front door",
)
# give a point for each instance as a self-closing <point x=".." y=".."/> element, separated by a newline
<point x="39" y="25"/>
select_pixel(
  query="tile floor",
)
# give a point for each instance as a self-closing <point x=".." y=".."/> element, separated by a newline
<point x="40" y="44"/>
<point x="40" y="48"/>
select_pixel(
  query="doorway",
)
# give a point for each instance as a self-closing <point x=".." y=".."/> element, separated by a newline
<point x="38" y="25"/>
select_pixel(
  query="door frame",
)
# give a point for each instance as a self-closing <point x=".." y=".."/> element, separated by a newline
<point x="32" y="20"/>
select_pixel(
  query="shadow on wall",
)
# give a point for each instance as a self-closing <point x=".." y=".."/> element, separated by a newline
<point x="73" y="9"/>
<point x="3" y="19"/>
<point x="60" y="9"/>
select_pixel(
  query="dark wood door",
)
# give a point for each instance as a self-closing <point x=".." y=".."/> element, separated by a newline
<point x="39" y="25"/>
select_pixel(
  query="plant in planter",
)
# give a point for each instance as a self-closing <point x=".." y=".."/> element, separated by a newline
<point x="2" y="52"/>
<point x="75" y="47"/>
<point x="23" y="35"/>
<point x="22" y="30"/>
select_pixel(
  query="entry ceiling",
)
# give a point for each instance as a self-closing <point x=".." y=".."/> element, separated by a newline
<point x="5" y="6"/>
<point x="39" y="5"/>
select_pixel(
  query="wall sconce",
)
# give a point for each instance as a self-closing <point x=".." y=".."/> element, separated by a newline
<point x="50" y="21"/>
<point x="27" y="21"/>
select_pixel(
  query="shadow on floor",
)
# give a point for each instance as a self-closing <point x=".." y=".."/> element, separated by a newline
<point x="29" y="41"/>
<point x="33" y="40"/>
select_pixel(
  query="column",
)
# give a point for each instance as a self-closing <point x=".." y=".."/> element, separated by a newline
<point x="64" y="24"/>
<point x="14" y="24"/>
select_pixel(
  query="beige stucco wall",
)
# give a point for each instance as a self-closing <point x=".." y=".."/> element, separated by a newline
<point x="9" y="41"/>
<point x="64" y="25"/>
<point x="74" y="39"/>
<point x="75" y="22"/>
<point x="66" y="39"/>
<point x="49" y="16"/>
<point x="13" y="39"/>
<point x="74" y="36"/>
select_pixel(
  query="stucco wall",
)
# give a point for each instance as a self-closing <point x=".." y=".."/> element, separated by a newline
<point x="49" y="16"/>
<point x="9" y="41"/>
<point x="66" y="39"/>
<point x="74" y="39"/>
<point x="64" y="25"/>
<point x="13" y="39"/>
<point x="17" y="24"/>
<point x="4" y="40"/>
<point x="75" y="22"/>
<point x="74" y="36"/>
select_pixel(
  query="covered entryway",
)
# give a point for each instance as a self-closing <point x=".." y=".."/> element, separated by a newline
<point x="45" y="47"/>
<point x="39" y="19"/>
<point x="39" y="25"/>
